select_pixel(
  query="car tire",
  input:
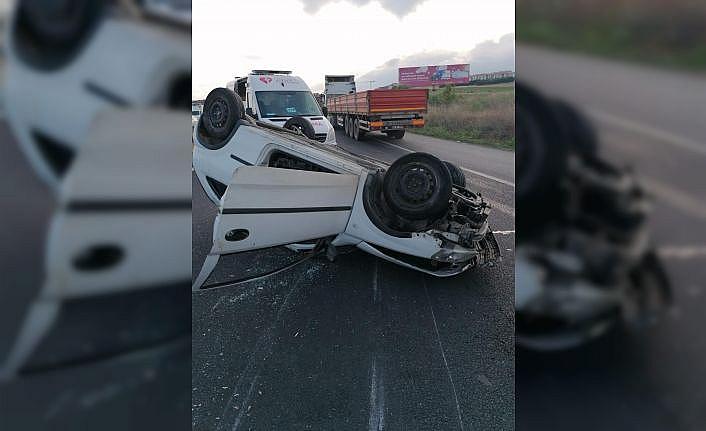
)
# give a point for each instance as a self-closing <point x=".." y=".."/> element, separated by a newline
<point x="457" y="176"/>
<point x="221" y="111"/>
<point x="345" y="125"/>
<point x="49" y="37"/>
<point x="578" y="133"/>
<point x="302" y="125"/>
<point x="541" y="159"/>
<point x="418" y="187"/>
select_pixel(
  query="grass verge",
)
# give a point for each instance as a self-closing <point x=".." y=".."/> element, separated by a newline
<point x="482" y="115"/>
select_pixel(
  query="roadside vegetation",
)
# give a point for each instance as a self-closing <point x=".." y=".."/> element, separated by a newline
<point x="662" y="33"/>
<point x="475" y="114"/>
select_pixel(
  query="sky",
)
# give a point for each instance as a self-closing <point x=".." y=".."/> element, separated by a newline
<point x="369" y="39"/>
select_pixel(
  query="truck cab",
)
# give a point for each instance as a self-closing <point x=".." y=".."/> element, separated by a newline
<point x="275" y="96"/>
<point x="336" y="85"/>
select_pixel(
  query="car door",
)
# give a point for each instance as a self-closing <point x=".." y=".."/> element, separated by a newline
<point x="265" y="207"/>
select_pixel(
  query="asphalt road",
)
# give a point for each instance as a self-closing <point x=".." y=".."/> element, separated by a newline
<point x="652" y="120"/>
<point x="359" y="343"/>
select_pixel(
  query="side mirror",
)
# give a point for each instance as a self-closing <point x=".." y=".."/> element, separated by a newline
<point x="325" y="111"/>
<point x="251" y="113"/>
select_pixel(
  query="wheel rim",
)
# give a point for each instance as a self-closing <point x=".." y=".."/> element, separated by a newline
<point x="218" y="114"/>
<point x="416" y="185"/>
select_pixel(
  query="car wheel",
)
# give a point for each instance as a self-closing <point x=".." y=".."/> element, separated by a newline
<point x="541" y="157"/>
<point x="418" y="186"/>
<point x="302" y="125"/>
<point x="48" y="34"/>
<point x="222" y="109"/>
<point x="457" y="176"/>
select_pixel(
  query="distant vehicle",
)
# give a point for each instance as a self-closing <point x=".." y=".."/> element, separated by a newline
<point x="279" y="98"/>
<point x="196" y="109"/>
<point x="337" y="85"/>
<point x="387" y="111"/>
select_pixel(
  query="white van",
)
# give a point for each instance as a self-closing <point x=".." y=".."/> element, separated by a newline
<point x="275" y="96"/>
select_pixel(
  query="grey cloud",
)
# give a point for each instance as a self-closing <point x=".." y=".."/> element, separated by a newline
<point x="397" y="7"/>
<point x="488" y="56"/>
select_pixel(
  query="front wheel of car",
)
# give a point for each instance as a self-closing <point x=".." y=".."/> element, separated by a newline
<point x="418" y="186"/>
<point x="301" y="124"/>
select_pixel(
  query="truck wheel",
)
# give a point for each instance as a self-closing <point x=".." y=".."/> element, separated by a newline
<point x="345" y="124"/>
<point x="350" y="127"/>
<point x="418" y="186"/>
<point x="334" y="121"/>
<point x="356" y="130"/>
<point x="457" y="176"/>
<point x="221" y="112"/>
<point x="302" y="125"/>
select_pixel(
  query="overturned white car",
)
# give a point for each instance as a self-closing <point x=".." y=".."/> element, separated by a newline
<point x="276" y="187"/>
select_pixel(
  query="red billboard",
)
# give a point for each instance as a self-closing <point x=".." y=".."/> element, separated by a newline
<point x="426" y="76"/>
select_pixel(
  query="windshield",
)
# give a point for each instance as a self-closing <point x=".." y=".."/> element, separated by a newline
<point x="286" y="103"/>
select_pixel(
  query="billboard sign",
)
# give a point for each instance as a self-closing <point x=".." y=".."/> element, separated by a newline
<point x="426" y="76"/>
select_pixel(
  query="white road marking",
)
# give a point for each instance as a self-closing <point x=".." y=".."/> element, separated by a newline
<point x="490" y="177"/>
<point x="676" y="198"/>
<point x="443" y="355"/>
<point x="395" y="145"/>
<point x="376" y="420"/>
<point x="480" y="174"/>
<point x="494" y="205"/>
<point x="682" y="252"/>
<point x="649" y="131"/>
<point x="504" y="232"/>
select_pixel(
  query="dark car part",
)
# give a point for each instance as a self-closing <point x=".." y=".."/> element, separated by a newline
<point x="222" y="112"/>
<point x="457" y="176"/>
<point x="49" y="34"/>
<point x="302" y="125"/>
<point x="584" y="259"/>
<point x="418" y="186"/>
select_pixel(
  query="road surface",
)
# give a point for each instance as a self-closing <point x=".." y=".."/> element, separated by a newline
<point x="652" y="120"/>
<point x="359" y="343"/>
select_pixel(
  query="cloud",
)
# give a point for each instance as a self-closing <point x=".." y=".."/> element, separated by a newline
<point x="397" y="7"/>
<point x="488" y="56"/>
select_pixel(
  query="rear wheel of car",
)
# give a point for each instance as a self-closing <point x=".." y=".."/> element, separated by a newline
<point x="302" y="125"/>
<point x="418" y="186"/>
<point x="457" y="176"/>
<point x="222" y="111"/>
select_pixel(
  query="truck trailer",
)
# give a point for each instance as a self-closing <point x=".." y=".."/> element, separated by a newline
<point x="387" y="111"/>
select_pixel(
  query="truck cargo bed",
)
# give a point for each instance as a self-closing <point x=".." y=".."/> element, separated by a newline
<point x="380" y="102"/>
